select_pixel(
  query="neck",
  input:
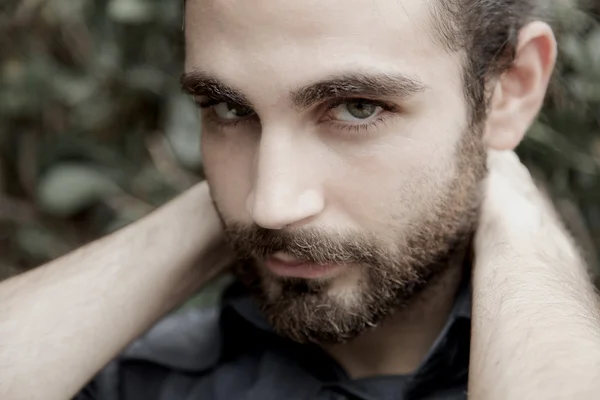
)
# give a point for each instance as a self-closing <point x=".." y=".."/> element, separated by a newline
<point x="399" y="344"/>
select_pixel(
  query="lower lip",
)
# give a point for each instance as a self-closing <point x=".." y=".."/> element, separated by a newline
<point x="301" y="270"/>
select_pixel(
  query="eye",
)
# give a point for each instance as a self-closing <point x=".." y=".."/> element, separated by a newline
<point x="231" y="111"/>
<point x="355" y="110"/>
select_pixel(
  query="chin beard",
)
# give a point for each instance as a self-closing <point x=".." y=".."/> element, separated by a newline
<point x="306" y="311"/>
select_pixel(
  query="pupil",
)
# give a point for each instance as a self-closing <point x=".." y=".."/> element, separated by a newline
<point x="361" y="110"/>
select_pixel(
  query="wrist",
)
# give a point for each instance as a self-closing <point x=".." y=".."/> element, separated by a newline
<point x="547" y="242"/>
<point x="526" y="277"/>
<point x="183" y="245"/>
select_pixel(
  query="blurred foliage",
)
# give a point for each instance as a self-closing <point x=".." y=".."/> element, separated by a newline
<point x="94" y="132"/>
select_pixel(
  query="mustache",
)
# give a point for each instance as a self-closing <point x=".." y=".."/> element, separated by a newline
<point x="311" y="245"/>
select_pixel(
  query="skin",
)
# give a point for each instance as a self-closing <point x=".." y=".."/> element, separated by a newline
<point x="531" y="291"/>
<point x="64" y="321"/>
<point x="532" y="296"/>
<point x="287" y="157"/>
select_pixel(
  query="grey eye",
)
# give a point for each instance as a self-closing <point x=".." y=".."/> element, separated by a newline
<point x="231" y="111"/>
<point x="361" y="110"/>
<point x="355" y="111"/>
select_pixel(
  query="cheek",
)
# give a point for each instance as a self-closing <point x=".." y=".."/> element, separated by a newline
<point x="396" y="184"/>
<point x="228" y="169"/>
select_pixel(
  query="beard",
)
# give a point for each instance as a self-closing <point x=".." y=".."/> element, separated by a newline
<point x="390" y="277"/>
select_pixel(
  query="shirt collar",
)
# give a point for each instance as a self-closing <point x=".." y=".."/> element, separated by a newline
<point x="197" y="339"/>
<point x="445" y="366"/>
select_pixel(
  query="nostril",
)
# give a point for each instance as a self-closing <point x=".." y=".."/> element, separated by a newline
<point x="273" y="210"/>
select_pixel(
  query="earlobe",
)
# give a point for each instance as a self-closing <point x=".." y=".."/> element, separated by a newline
<point x="518" y="93"/>
<point x="507" y="121"/>
<point x="501" y="130"/>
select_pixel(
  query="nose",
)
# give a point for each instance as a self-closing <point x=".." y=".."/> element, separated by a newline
<point x="285" y="191"/>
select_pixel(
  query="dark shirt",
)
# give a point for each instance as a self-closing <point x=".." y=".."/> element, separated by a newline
<point x="231" y="353"/>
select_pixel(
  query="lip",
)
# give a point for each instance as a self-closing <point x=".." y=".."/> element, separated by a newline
<point x="290" y="268"/>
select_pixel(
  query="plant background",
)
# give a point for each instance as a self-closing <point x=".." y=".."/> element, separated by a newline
<point x="94" y="132"/>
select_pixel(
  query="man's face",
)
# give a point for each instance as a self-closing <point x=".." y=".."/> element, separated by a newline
<point x="338" y="150"/>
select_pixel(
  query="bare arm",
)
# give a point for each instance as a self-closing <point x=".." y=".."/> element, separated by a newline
<point x="62" y="322"/>
<point x="536" y="315"/>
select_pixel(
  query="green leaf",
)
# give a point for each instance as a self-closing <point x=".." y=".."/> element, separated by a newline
<point x="70" y="188"/>
<point x="593" y="47"/>
<point x="131" y="11"/>
<point x="183" y="131"/>
<point x="38" y="243"/>
<point x="574" y="50"/>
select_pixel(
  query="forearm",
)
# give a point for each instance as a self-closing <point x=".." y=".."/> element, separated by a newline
<point x="64" y="321"/>
<point x="536" y="325"/>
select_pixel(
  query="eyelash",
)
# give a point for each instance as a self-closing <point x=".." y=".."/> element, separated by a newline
<point x="364" y="127"/>
<point x="358" y="128"/>
<point x="213" y="120"/>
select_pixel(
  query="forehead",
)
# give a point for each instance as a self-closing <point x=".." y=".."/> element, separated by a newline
<point x="295" y="42"/>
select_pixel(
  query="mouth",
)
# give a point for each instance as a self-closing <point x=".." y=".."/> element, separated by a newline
<point x="283" y="265"/>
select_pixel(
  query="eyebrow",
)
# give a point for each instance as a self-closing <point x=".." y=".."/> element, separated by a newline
<point x="198" y="83"/>
<point x="346" y="85"/>
<point x="358" y="85"/>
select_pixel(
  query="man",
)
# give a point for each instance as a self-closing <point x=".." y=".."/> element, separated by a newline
<point x="358" y="154"/>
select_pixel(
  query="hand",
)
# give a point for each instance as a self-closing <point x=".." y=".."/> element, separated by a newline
<point x="516" y="216"/>
<point x="532" y="295"/>
<point x="199" y="232"/>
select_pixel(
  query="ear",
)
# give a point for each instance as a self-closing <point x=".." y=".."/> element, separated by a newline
<point x="518" y="94"/>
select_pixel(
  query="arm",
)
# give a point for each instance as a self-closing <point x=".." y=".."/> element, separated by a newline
<point x="536" y="315"/>
<point x="62" y="322"/>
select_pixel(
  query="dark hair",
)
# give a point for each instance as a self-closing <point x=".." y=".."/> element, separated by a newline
<point x="487" y="31"/>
